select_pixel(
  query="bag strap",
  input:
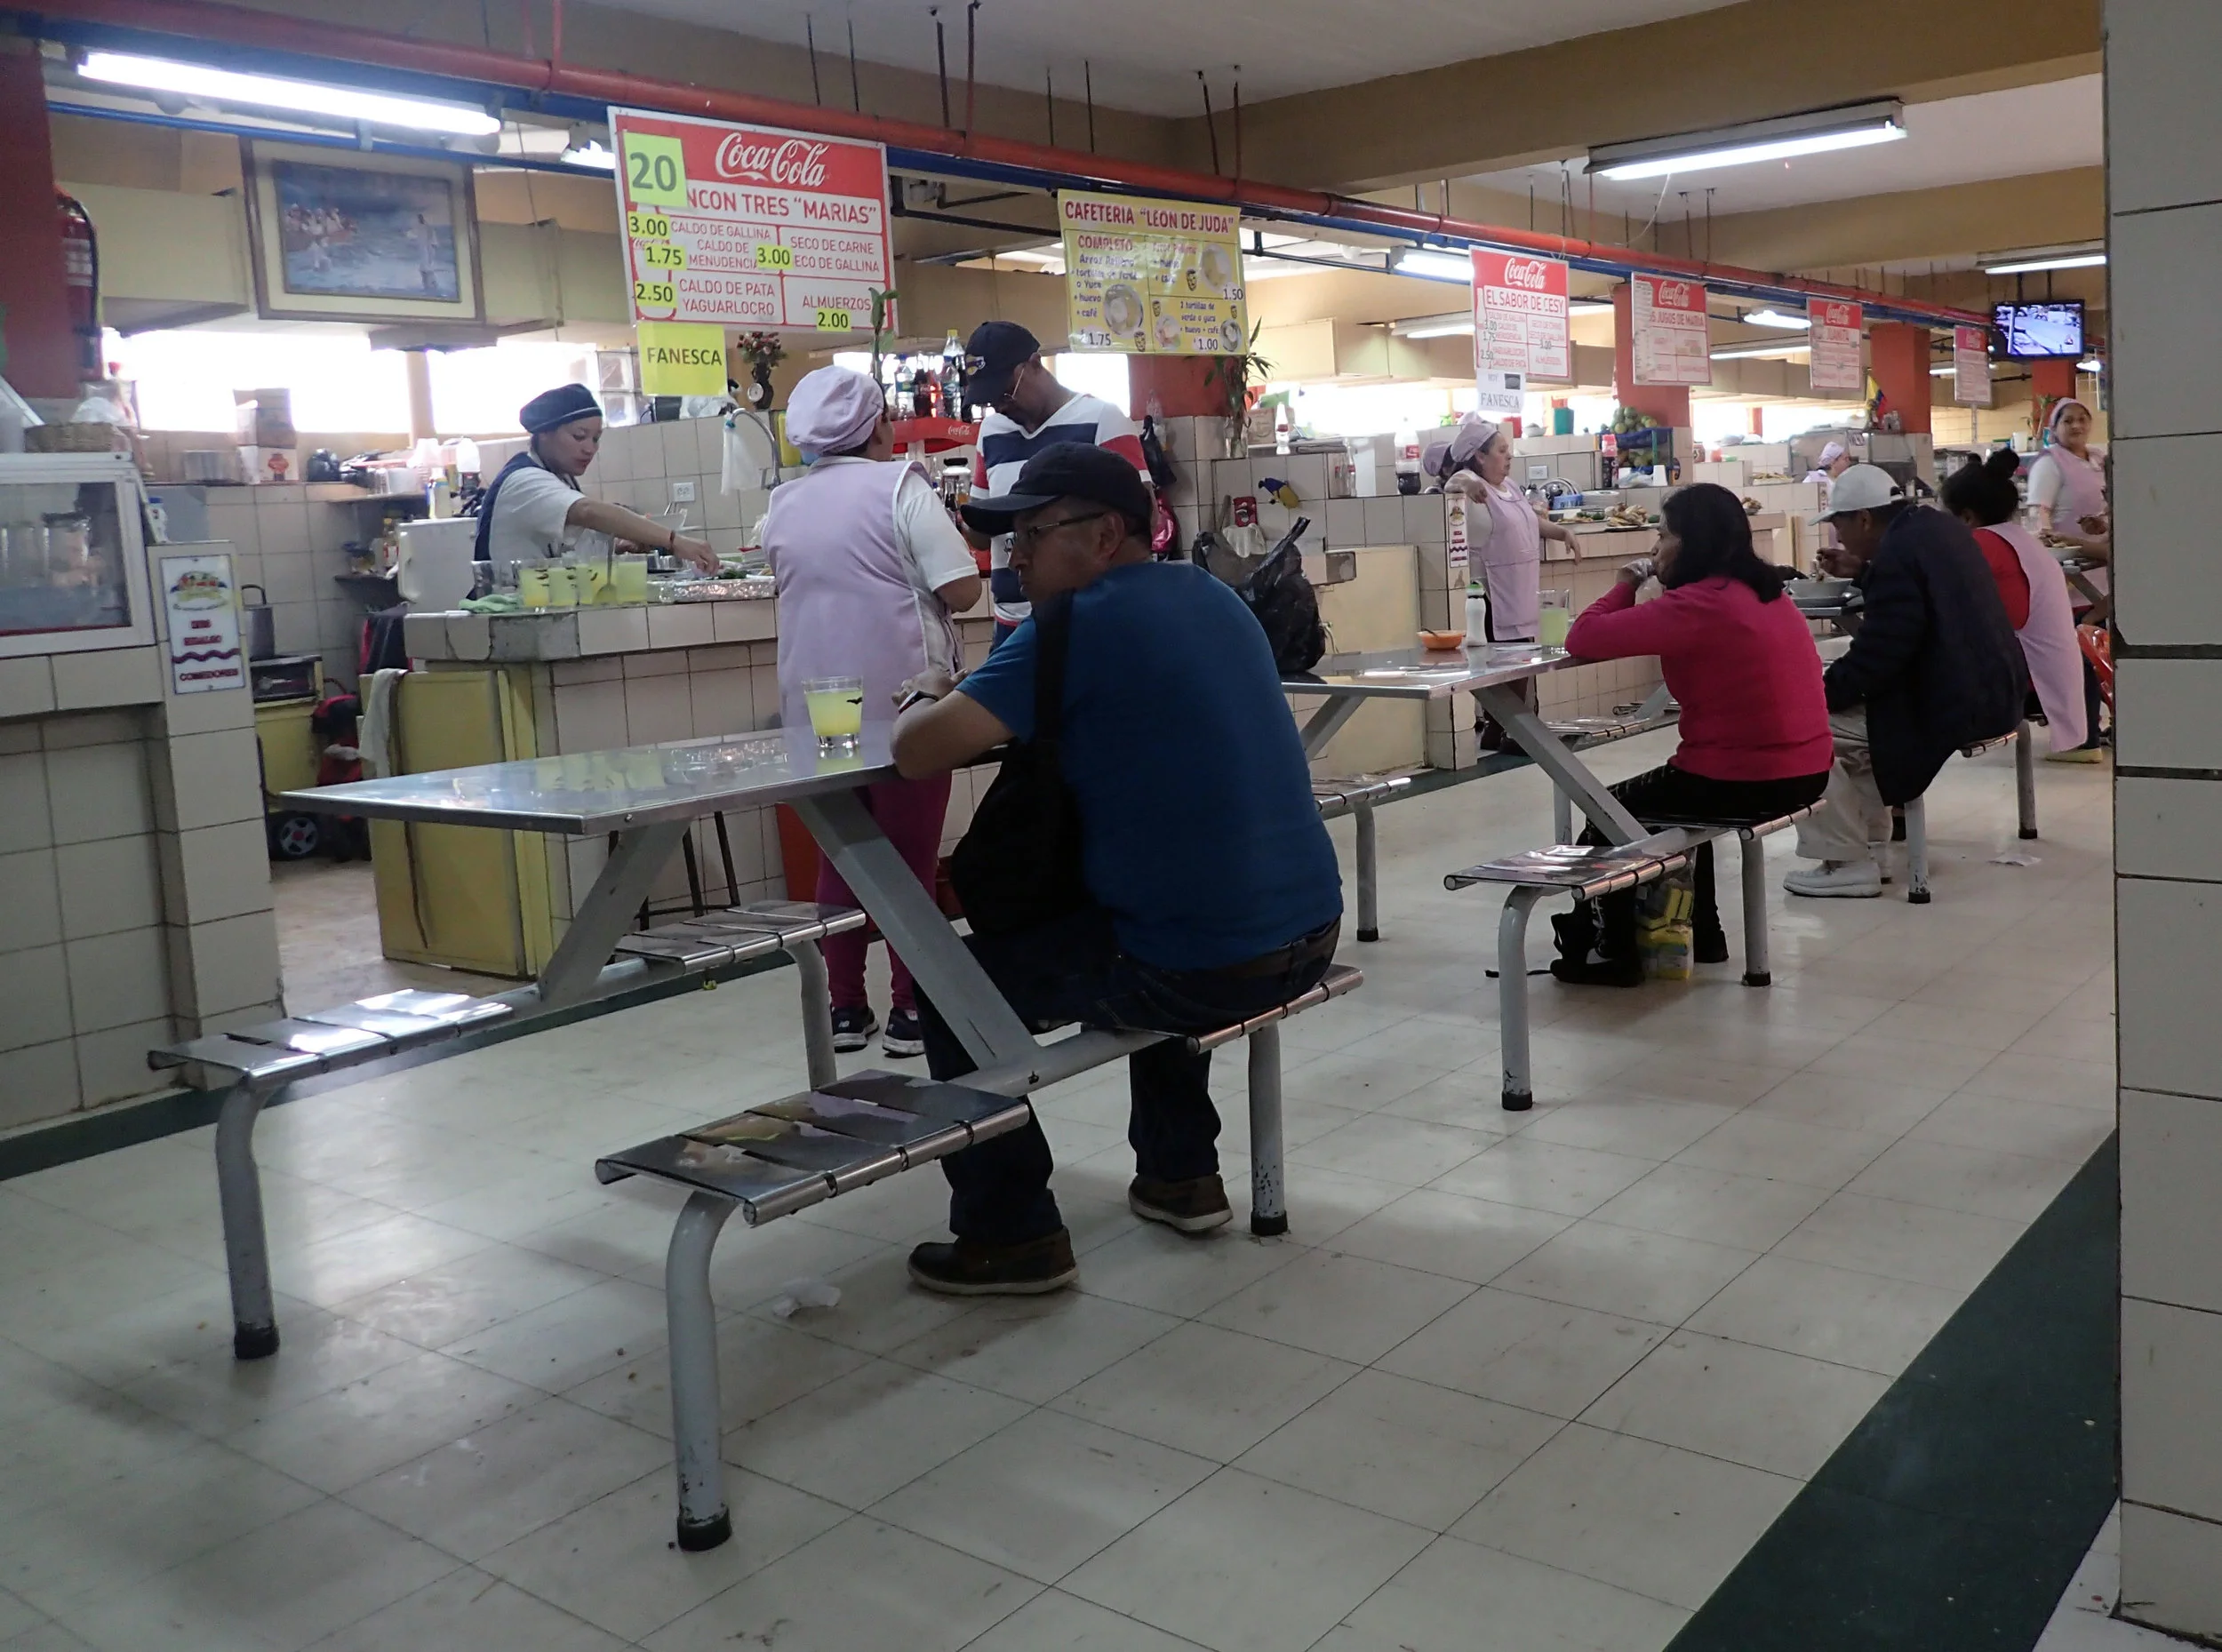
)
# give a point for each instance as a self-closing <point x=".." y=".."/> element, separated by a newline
<point x="1052" y="635"/>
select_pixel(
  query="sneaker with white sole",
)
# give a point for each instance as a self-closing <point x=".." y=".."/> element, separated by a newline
<point x="852" y="1030"/>
<point x="2078" y="753"/>
<point x="904" y="1036"/>
<point x="1837" y="880"/>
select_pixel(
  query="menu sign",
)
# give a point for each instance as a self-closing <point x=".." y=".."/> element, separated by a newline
<point x="201" y="606"/>
<point x="1147" y="278"/>
<point x="749" y="226"/>
<point x="1972" y="367"/>
<point x="1672" y="343"/>
<point x="1520" y="318"/>
<point x="1835" y="338"/>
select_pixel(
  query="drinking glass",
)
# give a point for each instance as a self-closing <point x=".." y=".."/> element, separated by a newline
<point x="1555" y="618"/>
<point x="836" y="711"/>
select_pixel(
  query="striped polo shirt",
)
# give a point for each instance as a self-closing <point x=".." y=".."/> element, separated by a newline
<point x="1004" y="451"/>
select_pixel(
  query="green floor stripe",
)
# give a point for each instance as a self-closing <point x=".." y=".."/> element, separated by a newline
<point x="1959" y="1509"/>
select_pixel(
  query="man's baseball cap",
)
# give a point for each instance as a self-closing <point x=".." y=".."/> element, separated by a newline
<point x="1071" y="470"/>
<point x="995" y="351"/>
<point x="1863" y="487"/>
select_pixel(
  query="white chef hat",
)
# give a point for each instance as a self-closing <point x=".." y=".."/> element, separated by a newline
<point x="1474" y="434"/>
<point x="1834" y="451"/>
<point x="834" y="409"/>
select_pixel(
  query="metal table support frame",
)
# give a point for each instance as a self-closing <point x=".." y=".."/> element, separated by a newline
<point x="1320" y="727"/>
<point x="1917" y="892"/>
<point x="1572" y="778"/>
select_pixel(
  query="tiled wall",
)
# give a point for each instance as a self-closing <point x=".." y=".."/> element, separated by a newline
<point x="638" y="463"/>
<point x="288" y="539"/>
<point x="2164" y="186"/>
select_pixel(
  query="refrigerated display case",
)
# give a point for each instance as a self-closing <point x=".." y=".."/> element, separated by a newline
<point x="73" y="569"/>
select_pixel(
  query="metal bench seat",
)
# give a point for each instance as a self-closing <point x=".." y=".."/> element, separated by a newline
<point x="779" y="1157"/>
<point x="1916" y="812"/>
<point x="1358" y="795"/>
<point x="324" y="1041"/>
<point x="736" y="934"/>
<point x="1588" y="871"/>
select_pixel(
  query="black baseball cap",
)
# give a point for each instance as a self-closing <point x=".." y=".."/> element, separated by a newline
<point x="995" y="351"/>
<point x="1071" y="470"/>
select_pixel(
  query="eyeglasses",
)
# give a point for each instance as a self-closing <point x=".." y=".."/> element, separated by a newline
<point x="1030" y="538"/>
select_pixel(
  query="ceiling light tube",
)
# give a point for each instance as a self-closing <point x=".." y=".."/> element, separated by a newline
<point x="2043" y="258"/>
<point x="1775" y="318"/>
<point x="1761" y="352"/>
<point x="1432" y="266"/>
<point x="1816" y="132"/>
<point x="197" y="80"/>
<point x="1432" y="326"/>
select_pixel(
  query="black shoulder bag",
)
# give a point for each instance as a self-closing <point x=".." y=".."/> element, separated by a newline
<point x="1018" y="866"/>
<point x="1281" y="595"/>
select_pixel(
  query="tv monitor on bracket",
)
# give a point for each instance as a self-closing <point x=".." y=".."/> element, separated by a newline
<point x="2040" y="332"/>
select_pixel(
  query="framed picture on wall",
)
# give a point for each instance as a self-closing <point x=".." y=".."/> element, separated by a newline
<point x="346" y="235"/>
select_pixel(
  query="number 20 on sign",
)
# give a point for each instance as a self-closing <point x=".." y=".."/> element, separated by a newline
<point x="655" y="171"/>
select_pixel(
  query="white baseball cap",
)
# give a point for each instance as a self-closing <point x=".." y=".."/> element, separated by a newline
<point x="1863" y="487"/>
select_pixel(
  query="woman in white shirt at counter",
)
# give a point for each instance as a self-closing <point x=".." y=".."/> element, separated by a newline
<point x="2069" y="511"/>
<point x="534" y="509"/>
<point x="871" y="571"/>
<point x="1504" y="535"/>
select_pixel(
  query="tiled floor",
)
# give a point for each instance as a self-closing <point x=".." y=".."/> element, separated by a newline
<point x="1553" y="1373"/>
<point x="2085" y="1622"/>
<point x="328" y="943"/>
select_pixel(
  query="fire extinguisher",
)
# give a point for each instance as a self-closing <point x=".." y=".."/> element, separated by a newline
<point x="81" y="280"/>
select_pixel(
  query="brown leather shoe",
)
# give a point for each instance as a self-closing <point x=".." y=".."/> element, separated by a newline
<point x="1034" y="1267"/>
<point x="1191" y="1207"/>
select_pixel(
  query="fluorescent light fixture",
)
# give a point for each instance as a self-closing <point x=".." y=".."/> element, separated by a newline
<point x="1432" y="326"/>
<point x="1775" y="318"/>
<point x="590" y="154"/>
<point x="1429" y="265"/>
<point x="1761" y="352"/>
<point x="2028" y="261"/>
<point x="1942" y="372"/>
<point x="197" y="80"/>
<point x="2090" y="364"/>
<point x="1589" y="307"/>
<point x="1778" y="140"/>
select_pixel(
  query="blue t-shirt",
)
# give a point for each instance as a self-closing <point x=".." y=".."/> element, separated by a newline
<point x="1199" y="834"/>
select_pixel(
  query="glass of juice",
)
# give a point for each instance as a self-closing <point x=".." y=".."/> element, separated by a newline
<point x="1554" y="619"/>
<point x="629" y="581"/>
<point x="533" y="587"/>
<point x="836" y="711"/>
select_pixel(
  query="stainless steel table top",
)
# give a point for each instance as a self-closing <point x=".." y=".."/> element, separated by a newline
<point x="1426" y="673"/>
<point x="595" y="792"/>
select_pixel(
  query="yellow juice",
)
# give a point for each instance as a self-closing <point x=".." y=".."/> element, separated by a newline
<point x="630" y="583"/>
<point x="835" y="713"/>
<point x="533" y="587"/>
<point x="1552" y="627"/>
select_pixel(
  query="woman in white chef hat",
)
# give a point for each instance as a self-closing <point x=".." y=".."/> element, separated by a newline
<point x="1504" y="535"/>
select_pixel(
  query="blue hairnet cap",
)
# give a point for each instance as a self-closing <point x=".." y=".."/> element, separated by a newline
<point x="558" y="406"/>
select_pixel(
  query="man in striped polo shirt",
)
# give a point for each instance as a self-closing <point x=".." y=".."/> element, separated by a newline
<point x="1028" y="411"/>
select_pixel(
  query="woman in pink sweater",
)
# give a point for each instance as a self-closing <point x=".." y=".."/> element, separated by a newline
<point x="1754" y="725"/>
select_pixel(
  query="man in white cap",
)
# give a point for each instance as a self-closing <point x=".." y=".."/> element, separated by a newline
<point x="870" y="571"/>
<point x="1934" y="666"/>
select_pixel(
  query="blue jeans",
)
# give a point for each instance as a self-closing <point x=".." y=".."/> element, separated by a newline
<point x="1072" y="970"/>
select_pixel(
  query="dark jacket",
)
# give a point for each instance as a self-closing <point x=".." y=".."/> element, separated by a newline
<point x="1935" y="662"/>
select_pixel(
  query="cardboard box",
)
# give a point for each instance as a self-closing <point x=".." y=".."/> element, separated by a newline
<point x="264" y="418"/>
<point x="267" y="463"/>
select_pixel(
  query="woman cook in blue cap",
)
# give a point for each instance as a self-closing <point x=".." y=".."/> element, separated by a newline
<point x="534" y="509"/>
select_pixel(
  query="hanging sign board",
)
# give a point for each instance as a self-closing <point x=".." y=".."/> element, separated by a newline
<point x="1972" y="367"/>
<point x="1672" y="342"/>
<point x="202" y="607"/>
<point x="750" y="227"/>
<point x="1147" y="277"/>
<point x="1835" y="338"/>
<point x="680" y="357"/>
<point x="1500" y="393"/>
<point x="1520" y="318"/>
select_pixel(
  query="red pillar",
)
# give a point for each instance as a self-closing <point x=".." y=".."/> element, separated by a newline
<point x="1897" y="355"/>
<point x="42" y="358"/>
<point x="1667" y="403"/>
<point x="2049" y="379"/>
<point x="1178" y="384"/>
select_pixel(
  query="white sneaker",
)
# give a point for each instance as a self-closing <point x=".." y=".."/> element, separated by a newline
<point x="1837" y="880"/>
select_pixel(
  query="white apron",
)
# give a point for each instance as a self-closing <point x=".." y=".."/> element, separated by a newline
<point x="2048" y="640"/>
<point x="1511" y="564"/>
<point x="2082" y="493"/>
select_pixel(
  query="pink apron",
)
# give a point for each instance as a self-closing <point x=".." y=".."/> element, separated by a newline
<point x="849" y="606"/>
<point x="1512" y="565"/>
<point x="2082" y="493"/>
<point x="2048" y="640"/>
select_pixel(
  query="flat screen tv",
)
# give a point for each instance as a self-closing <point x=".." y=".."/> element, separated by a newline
<point x="2040" y="332"/>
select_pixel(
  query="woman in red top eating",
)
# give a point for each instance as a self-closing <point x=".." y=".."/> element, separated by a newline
<point x="1754" y="725"/>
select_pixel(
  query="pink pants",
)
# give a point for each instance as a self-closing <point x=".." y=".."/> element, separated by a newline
<point x="910" y="812"/>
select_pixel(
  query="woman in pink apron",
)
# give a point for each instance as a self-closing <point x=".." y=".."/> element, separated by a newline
<point x="870" y="569"/>
<point x="2068" y="509"/>
<point x="1982" y="495"/>
<point x="1505" y="535"/>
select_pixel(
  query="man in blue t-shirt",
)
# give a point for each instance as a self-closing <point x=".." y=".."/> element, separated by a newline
<point x="1214" y="886"/>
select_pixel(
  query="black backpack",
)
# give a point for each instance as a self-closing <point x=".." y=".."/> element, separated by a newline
<point x="1281" y="595"/>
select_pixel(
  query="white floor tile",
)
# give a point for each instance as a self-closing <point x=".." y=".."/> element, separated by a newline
<point x="1056" y="1622"/>
<point x="1567" y="1181"/>
<point x="1542" y="1356"/>
<point x="1919" y="1243"/>
<point x="436" y="1307"/>
<point x="564" y="1342"/>
<point x="468" y="1609"/>
<point x="2012" y="1186"/>
<point x="1756" y="1143"/>
<point x="1626" y="1272"/>
<point x="762" y="1366"/>
<point x="1206" y="1391"/>
<point x="1457" y="1590"/>
<point x="1153" y="1267"/>
<point x="1829" y="1314"/>
<point x="1346" y="1307"/>
<point x="1243" y="1565"/>
<point x="1439" y="1232"/>
<point x="1034" y="1348"/>
<point x="1719" y="1207"/>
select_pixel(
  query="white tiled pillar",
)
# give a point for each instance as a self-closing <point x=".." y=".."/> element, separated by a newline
<point x="2164" y="188"/>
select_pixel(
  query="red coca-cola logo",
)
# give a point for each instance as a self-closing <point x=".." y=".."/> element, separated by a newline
<point x="1531" y="273"/>
<point x="790" y="162"/>
<point x="1675" y="295"/>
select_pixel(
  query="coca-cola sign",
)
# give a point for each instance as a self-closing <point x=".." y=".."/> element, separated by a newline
<point x="789" y="163"/>
<point x="1675" y="295"/>
<point x="1530" y="273"/>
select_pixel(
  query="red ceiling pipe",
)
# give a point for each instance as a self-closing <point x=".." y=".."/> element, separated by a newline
<point x="275" y="31"/>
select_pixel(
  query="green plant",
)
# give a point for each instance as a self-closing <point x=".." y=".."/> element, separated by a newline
<point x="1239" y="377"/>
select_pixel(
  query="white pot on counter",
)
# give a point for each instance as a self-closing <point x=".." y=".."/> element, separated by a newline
<point x="433" y="572"/>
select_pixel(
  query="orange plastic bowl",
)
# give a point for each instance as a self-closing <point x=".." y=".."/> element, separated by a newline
<point x="1442" y="639"/>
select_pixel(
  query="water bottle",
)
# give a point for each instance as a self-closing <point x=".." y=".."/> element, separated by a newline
<point x="1476" y="615"/>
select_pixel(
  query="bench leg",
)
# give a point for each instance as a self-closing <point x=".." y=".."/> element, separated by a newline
<point x="1512" y="997"/>
<point x="1268" y="1192"/>
<point x="696" y="1428"/>
<point x="2025" y="777"/>
<point x="254" y="1333"/>
<point x="1917" y="852"/>
<point x="1562" y="816"/>
<point x="1758" y="970"/>
<point x="1369" y="889"/>
<point x="818" y="1050"/>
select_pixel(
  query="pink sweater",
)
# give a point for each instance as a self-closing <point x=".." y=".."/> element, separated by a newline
<point x="1746" y="672"/>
